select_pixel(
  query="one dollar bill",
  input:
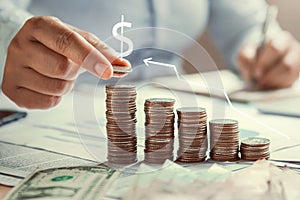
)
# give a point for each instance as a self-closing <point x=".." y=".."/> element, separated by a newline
<point x="82" y="182"/>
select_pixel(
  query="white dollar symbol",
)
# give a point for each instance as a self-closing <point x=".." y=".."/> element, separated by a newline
<point x="122" y="38"/>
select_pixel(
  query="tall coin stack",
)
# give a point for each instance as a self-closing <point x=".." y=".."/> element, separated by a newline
<point x="224" y="140"/>
<point x="192" y="134"/>
<point x="159" y="130"/>
<point x="255" y="148"/>
<point x="121" y="120"/>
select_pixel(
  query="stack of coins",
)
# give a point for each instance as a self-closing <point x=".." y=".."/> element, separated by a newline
<point x="192" y="134"/>
<point x="159" y="130"/>
<point x="255" y="148"/>
<point x="224" y="140"/>
<point x="121" y="120"/>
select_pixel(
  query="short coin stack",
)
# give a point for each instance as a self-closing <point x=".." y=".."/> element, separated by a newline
<point x="255" y="148"/>
<point x="224" y="140"/>
<point x="159" y="130"/>
<point x="121" y="120"/>
<point x="192" y="134"/>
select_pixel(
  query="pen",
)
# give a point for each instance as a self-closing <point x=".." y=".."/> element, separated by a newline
<point x="271" y="15"/>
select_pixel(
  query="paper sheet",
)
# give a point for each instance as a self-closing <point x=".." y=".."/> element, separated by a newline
<point x="230" y="82"/>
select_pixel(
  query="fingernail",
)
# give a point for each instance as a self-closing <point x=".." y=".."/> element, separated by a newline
<point x="249" y="52"/>
<point x="279" y="44"/>
<point x="97" y="64"/>
<point x="103" y="71"/>
<point x="121" y="62"/>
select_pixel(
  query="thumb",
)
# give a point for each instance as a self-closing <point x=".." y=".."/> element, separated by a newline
<point x="100" y="45"/>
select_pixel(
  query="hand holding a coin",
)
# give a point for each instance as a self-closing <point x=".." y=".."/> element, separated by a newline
<point x="45" y="57"/>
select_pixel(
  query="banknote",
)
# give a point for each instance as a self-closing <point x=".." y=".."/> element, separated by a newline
<point x="260" y="180"/>
<point x="173" y="181"/>
<point x="80" y="182"/>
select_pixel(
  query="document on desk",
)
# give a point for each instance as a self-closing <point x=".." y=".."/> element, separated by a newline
<point x="227" y="81"/>
<point x="285" y="107"/>
<point x="16" y="162"/>
<point x="55" y="130"/>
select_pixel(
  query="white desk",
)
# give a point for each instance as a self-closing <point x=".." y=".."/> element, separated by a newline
<point x="56" y="129"/>
<point x="59" y="122"/>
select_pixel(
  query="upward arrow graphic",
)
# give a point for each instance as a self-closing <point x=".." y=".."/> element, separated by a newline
<point x="148" y="61"/>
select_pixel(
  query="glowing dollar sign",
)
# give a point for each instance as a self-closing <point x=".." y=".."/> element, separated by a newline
<point x="122" y="38"/>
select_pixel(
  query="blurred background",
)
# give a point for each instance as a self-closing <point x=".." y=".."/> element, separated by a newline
<point x="288" y="17"/>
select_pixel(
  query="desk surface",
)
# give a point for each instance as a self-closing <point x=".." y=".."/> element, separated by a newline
<point x="282" y="130"/>
<point x="87" y="105"/>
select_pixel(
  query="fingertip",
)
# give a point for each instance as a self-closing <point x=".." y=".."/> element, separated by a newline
<point x="258" y="88"/>
<point x="262" y="84"/>
<point x="246" y="75"/>
<point x="97" y="64"/>
<point x="55" y="100"/>
<point x="249" y="53"/>
<point x="108" y="73"/>
<point x="104" y="71"/>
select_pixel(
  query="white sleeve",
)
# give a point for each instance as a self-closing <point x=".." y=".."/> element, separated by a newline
<point x="12" y="16"/>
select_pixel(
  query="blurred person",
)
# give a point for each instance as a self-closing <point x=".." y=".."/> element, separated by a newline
<point x="45" y="44"/>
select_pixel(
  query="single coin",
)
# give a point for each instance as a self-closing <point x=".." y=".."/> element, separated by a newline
<point x="255" y="141"/>
<point x="160" y="101"/>
<point x="191" y="110"/>
<point x="121" y="69"/>
<point x="224" y="121"/>
<point x="121" y="87"/>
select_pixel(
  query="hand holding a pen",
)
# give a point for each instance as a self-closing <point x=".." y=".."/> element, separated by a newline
<point x="275" y="62"/>
<point x="276" y="65"/>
